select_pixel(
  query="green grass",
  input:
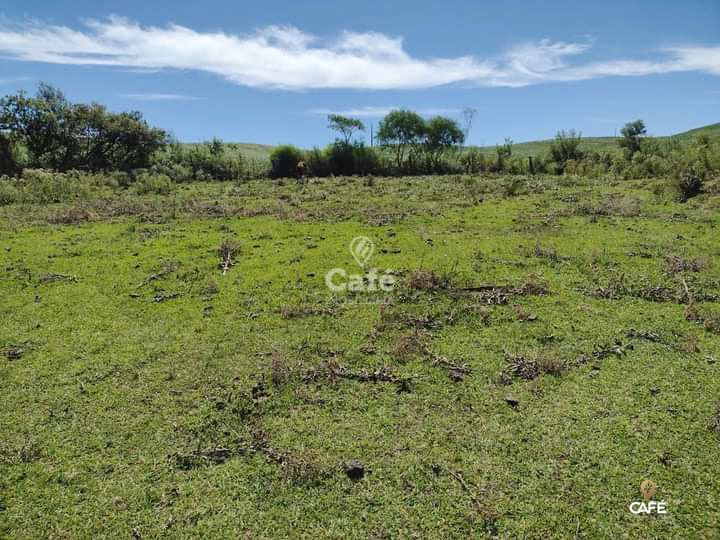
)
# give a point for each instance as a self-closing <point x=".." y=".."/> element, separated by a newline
<point x="155" y="409"/>
<point x="259" y="152"/>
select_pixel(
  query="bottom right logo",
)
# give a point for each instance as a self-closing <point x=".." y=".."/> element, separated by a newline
<point x="648" y="506"/>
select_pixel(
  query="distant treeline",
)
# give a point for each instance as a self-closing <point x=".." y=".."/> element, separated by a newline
<point x="47" y="131"/>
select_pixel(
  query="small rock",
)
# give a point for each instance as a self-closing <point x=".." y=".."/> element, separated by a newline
<point x="354" y="470"/>
<point x="513" y="402"/>
<point x="14" y="353"/>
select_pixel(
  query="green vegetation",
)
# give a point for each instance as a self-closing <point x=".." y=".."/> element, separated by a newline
<point x="174" y="365"/>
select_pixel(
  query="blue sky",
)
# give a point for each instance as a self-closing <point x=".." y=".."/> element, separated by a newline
<point x="268" y="72"/>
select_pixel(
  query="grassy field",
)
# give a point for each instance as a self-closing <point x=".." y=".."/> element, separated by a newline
<point x="550" y="344"/>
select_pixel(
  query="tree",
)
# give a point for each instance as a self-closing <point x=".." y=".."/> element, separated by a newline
<point x="566" y="147"/>
<point x="61" y="135"/>
<point x="346" y="127"/>
<point x="504" y="151"/>
<point x="632" y="136"/>
<point x="401" y="129"/>
<point x="284" y="161"/>
<point x="8" y="160"/>
<point x="440" y="135"/>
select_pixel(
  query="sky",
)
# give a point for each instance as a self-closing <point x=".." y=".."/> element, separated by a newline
<point x="269" y="72"/>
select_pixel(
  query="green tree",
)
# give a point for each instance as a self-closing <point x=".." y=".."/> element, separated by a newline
<point x="440" y="135"/>
<point x="504" y="151"/>
<point x="632" y="136"/>
<point x="60" y="135"/>
<point x="346" y="127"/>
<point x="566" y="147"/>
<point x="284" y="161"/>
<point x="401" y="129"/>
<point x="8" y="160"/>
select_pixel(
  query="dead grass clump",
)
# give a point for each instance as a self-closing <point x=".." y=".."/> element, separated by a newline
<point x="620" y="207"/>
<point x="27" y="453"/>
<point x="280" y="369"/>
<point x="426" y="280"/>
<point x="710" y="321"/>
<point x="306" y="468"/>
<point x="677" y="265"/>
<point x="530" y="366"/>
<point x="72" y="215"/>
<point x="408" y="345"/>
<point x="211" y="288"/>
<point x="549" y="254"/>
<point x="530" y="288"/>
<point x="333" y="371"/>
<point x="644" y="334"/>
<point x="227" y="251"/>
<point x="689" y="344"/>
<point x="715" y="421"/>
<point x="168" y="267"/>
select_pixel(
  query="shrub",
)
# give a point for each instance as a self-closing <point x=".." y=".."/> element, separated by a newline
<point x="44" y="187"/>
<point x="9" y="194"/>
<point x="318" y="163"/>
<point x="688" y="184"/>
<point x="8" y="157"/>
<point x="157" y="184"/>
<point x="284" y="161"/>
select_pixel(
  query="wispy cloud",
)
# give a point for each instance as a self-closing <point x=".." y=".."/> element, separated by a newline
<point x="160" y="97"/>
<point x="378" y="112"/>
<point x="288" y="58"/>
<point x="11" y="80"/>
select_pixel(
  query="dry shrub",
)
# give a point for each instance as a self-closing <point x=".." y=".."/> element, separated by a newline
<point x="689" y="344"/>
<point x="408" y="345"/>
<point x="715" y="421"/>
<point x="530" y="288"/>
<point x="625" y="207"/>
<point x="531" y="365"/>
<point x="72" y="215"/>
<point x="676" y="265"/>
<point x="710" y="321"/>
<point x="307" y="467"/>
<point x="211" y="288"/>
<point x="426" y="280"/>
<point x="280" y="369"/>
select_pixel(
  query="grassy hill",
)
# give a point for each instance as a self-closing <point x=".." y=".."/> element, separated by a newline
<point x="522" y="149"/>
<point x="602" y="144"/>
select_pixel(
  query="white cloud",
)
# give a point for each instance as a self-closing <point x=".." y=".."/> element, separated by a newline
<point x="379" y="112"/>
<point x="11" y="80"/>
<point x="160" y="97"/>
<point x="288" y="58"/>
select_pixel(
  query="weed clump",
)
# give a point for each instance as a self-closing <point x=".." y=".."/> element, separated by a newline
<point x="426" y="280"/>
<point x="530" y="366"/>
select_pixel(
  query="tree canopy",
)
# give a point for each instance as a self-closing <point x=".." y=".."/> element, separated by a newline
<point x="61" y="135"/>
<point x="632" y="134"/>
<point x="345" y="126"/>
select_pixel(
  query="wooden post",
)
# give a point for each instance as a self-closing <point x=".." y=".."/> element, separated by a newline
<point x="532" y="169"/>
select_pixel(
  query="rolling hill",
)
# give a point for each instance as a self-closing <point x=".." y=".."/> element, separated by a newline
<point x="524" y="149"/>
